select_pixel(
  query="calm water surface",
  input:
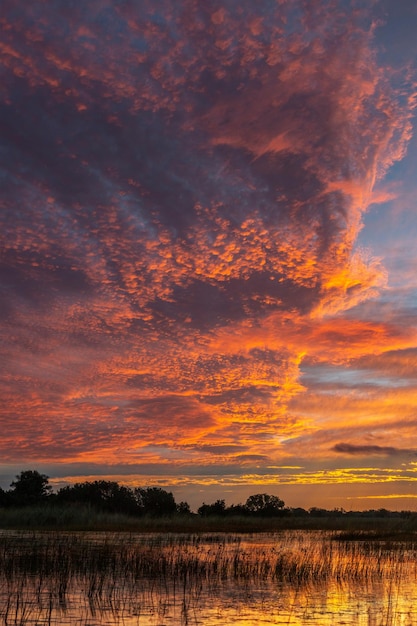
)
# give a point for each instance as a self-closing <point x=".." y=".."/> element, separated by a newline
<point x="159" y="580"/>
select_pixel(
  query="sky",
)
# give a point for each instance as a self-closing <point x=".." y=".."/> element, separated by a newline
<point x="207" y="247"/>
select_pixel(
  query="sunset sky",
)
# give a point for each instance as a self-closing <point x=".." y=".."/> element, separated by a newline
<point x="208" y="247"/>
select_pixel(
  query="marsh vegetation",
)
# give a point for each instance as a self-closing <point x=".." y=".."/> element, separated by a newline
<point x="153" y="579"/>
<point x="97" y="553"/>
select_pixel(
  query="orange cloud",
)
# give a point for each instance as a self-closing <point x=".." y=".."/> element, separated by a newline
<point x="183" y="270"/>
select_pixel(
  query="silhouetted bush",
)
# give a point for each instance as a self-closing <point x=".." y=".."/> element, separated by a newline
<point x="217" y="508"/>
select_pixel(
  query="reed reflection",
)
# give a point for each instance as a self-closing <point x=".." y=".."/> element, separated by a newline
<point x="284" y="578"/>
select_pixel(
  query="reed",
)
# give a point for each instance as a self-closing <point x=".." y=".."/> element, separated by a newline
<point x="125" y="572"/>
<point x="61" y="556"/>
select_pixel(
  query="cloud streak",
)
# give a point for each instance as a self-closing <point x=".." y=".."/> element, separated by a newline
<point x="366" y="450"/>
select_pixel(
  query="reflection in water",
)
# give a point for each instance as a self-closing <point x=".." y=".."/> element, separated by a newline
<point x="154" y="580"/>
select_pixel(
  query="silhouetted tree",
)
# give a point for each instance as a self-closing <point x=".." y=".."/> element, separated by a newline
<point x="155" y="501"/>
<point x="299" y="512"/>
<point x="103" y="495"/>
<point x="217" y="508"/>
<point x="4" y="498"/>
<point x="264" y="505"/>
<point x="183" y="508"/>
<point x="237" y="509"/>
<point x="30" y="487"/>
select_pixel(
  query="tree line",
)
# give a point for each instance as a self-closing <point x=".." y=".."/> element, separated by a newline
<point x="31" y="488"/>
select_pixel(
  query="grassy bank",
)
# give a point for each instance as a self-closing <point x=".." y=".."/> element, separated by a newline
<point x="85" y="518"/>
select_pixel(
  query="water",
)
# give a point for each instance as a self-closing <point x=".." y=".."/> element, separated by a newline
<point x="292" y="578"/>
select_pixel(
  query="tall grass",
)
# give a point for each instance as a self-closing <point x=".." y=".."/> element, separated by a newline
<point x="78" y="517"/>
<point x="126" y="573"/>
<point x="114" y="557"/>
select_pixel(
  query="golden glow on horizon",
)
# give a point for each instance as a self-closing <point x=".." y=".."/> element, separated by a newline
<point x="346" y="476"/>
